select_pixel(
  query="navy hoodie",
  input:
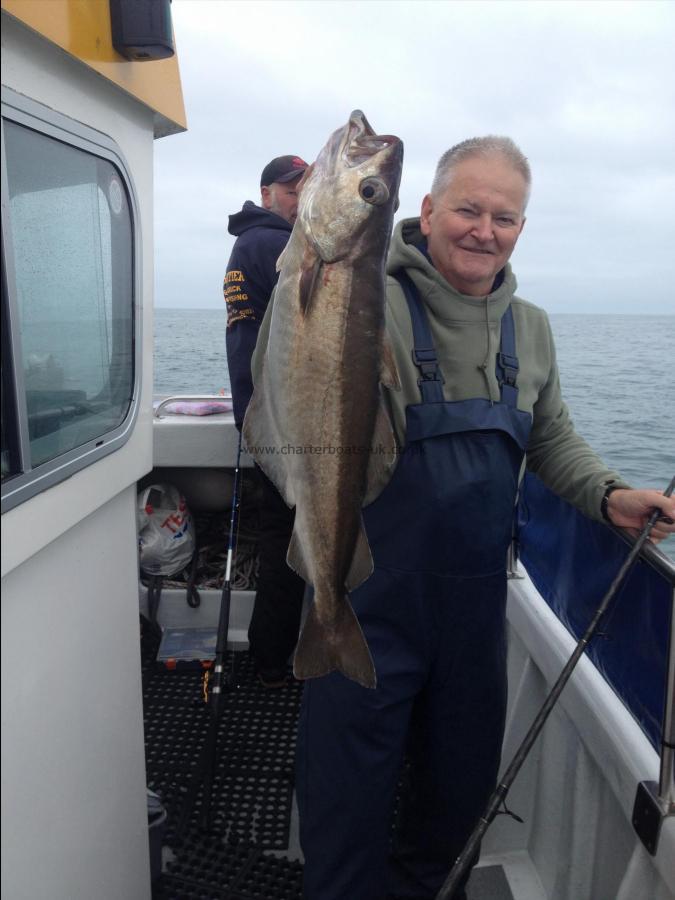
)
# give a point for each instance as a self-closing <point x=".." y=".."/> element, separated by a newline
<point x="249" y="281"/>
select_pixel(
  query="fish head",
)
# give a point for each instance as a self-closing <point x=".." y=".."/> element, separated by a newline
<point x="349" y="195"/>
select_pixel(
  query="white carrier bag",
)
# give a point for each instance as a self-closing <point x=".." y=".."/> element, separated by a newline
<point x="166" y="532"/>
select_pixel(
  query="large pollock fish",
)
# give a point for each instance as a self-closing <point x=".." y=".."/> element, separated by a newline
<point x="315" y="423"/>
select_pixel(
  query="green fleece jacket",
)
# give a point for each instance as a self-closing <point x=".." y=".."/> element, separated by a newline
<point x="466" y="332"/>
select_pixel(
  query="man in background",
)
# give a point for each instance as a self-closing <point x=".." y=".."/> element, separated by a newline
<point x="261" y="233"/>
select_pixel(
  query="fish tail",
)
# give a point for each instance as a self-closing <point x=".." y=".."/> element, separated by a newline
<point x="322" y="649"/>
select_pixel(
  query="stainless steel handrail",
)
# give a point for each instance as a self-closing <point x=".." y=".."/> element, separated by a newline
<point x="667" y="769"/>
<point x="189" y="398"/>
<point x="665" y="567"/>
<point x="651" y="554"/>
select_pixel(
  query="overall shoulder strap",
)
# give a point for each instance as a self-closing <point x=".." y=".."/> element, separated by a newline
<point x="423" y="352"/>
<point x="507" y="362"/>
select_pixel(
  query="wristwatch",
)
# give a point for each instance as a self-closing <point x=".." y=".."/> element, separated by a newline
<point x="605" y="501"/>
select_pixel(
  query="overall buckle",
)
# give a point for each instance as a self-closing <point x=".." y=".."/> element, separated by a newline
<point x="510" y="368"/>
<point x="427" y="362"/>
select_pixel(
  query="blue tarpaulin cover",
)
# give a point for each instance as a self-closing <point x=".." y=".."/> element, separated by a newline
<point x="572" y="561"/>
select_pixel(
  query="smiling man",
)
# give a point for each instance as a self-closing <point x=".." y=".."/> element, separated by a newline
<point x="472" y="219"/>
<point x="479" y="394"/>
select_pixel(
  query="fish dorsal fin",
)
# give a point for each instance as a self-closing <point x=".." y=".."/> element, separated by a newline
<point x="383" y="460"/>
<point x="309" y="277"/>
<point x="388" y="370"/>
<point x="362" y="561"/>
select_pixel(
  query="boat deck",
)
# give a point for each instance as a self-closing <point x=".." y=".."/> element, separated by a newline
<point x="251" y="848"/>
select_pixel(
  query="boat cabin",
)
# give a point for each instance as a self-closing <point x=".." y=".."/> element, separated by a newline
<point x="98" y="704"/>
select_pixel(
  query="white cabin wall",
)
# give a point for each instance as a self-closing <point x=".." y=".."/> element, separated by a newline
<point x="74" y="819"/>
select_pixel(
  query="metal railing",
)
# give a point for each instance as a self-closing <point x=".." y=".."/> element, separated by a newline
<point x="667" y="771"/>
<point x="650" y="553"/>
<point x="189" y="398"/>
<point x="654" y="802"/>
<point x="665" y="567"/>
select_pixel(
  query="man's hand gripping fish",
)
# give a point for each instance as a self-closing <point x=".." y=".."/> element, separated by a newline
<point x="316" y="424"/>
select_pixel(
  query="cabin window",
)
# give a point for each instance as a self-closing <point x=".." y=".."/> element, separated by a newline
<point x="10" y="451"/>
<point x="68" y="302"/>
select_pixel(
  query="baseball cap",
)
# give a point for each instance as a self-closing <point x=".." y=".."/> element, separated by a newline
<point x="282" y="169"/>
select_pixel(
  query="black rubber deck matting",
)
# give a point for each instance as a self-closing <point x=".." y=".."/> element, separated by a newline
<point x="207" y="869"/>
<point x="253" y="782"/>
<point x="252" y="792"/>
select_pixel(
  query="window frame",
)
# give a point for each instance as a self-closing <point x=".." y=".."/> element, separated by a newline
<point x="30" y="480"/>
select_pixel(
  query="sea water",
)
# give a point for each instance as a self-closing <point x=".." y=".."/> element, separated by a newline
<point x="616" y="372"/>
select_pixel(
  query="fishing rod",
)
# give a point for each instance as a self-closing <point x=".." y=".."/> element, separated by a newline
<point x="216" y="683"/>
<point x="498" y="798"/>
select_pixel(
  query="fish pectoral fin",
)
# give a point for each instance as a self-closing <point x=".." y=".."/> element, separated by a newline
<point x="309" y="276"/>
<point x="383" y="456"/>
<point x="281" y="258"/>
<point x="388" y="370"/>
<point x="362" y="561"/>
<point x="340" y="647"/>
<point x="295" y="558"/>
<point x="263" y="445"/>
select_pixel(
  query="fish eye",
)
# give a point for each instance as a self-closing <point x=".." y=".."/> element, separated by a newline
<point x="374" y="190"/>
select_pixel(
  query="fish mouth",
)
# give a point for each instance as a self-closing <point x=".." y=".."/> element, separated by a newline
<point x="356" y="144"/>
<point x="360" y="142"/>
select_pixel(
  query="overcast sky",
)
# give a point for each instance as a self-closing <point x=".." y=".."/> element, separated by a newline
<point x="586" y="89"/>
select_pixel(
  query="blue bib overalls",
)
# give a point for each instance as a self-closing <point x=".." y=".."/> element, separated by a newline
<point x="433" y="613"/>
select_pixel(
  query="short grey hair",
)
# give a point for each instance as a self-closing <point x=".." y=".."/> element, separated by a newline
<point x="490" y="145"/>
